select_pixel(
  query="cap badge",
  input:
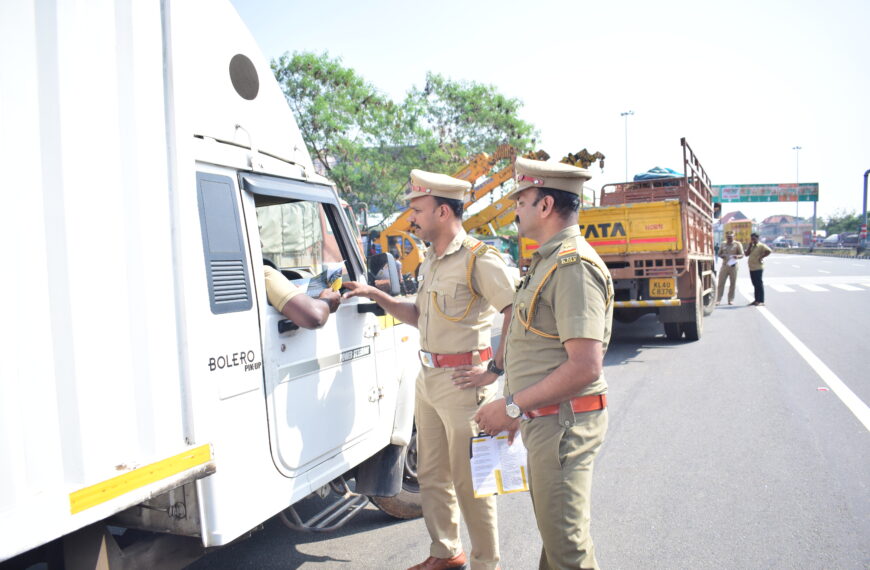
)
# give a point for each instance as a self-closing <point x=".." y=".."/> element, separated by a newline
<point x="532" y="179"/>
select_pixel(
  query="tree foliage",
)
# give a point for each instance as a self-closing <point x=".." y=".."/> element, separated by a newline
<point x="367" y="144"/>
<point x="842" y="222"/>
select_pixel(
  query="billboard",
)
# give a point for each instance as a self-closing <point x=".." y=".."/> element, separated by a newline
<point x="791" y="192"/>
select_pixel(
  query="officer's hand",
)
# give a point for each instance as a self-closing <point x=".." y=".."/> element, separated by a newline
<point x="491" y="418"/>
<point x="332" y="298"/>
<point x="356" y="289"/>
<point x="468" y="376"/>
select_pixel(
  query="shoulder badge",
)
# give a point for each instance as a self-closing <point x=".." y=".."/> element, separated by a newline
<point x="568" y="253"/>
<point x="475" y="246"/>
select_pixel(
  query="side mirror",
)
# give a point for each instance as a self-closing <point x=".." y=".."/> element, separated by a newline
<point x="384" y="273"/>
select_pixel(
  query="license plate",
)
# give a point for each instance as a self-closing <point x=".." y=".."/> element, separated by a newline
<point x="662" y="287"/>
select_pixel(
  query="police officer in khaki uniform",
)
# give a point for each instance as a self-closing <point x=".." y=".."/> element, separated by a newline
<point x="730" y="252"/>
<point x="562" y="316"/>
<point x="463" y="283"/>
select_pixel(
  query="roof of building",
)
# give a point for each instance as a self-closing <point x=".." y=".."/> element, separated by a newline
<point x="731" y="216"/>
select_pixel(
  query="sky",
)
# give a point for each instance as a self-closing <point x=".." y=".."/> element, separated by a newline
<point x="743" y="81"/>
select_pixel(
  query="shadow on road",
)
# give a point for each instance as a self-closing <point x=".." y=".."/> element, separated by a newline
<point x="627" y="340"/>
<point x="276" y="546"/>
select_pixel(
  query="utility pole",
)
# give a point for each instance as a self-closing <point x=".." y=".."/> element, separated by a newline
<point x="626" y="115"/>
<point x="797" y="194"/>
<point x="864" y="227"/>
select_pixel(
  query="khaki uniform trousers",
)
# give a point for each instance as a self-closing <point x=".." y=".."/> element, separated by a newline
<point x="727" y="272"/>
<point x="560" y="459"/>
<point x="444" y="417"/>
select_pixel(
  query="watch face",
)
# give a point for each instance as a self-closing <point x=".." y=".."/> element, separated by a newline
<point x="513" y="410"/>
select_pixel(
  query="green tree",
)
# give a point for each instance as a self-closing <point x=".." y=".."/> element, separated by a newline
<point x="842" y="222"/>
<point x="367" y="143"/>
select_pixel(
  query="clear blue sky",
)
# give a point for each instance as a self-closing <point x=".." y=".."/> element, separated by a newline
<point x="743" y="81"/>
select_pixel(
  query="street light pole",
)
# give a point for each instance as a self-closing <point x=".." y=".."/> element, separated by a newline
<point x="626" y="115"/>
<point x="797" y="176"/>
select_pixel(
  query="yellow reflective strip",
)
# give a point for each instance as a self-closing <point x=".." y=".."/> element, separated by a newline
<point x="137" y="478"/>
<point x="387" y="321"/>
<point x="629" y="304"/>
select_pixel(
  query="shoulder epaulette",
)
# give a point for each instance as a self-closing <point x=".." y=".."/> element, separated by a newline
<point x="475" y="246"/>
<point x="568" y="252"/>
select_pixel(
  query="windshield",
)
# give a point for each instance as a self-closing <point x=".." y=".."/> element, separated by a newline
<point x="297" y="235"/>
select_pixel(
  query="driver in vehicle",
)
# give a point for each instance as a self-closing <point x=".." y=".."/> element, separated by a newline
<point x="293" y="303"/>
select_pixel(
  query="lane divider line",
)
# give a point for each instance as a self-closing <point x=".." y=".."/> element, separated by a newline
<point x="846" y="395"/>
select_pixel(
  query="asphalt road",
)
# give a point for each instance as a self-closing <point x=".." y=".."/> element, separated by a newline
<point x="747" y="449"/>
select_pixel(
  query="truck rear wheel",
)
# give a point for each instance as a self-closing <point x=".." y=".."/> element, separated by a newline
<point x="672" y="331"/>
<point x="695" y="327"/>
<point x="710" y="298"/>
<point x="407" y="504"/>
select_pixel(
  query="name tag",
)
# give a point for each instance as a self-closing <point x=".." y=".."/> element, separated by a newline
<point x="568" y="259"/>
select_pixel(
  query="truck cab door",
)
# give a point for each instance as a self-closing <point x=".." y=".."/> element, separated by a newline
<point x="322" y="393"/>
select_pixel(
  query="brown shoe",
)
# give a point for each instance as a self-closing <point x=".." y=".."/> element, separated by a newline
<point x="433" y="563"/>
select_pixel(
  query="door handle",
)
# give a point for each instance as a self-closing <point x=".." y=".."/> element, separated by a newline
<point x="286" y="325"/>
<point x="373" y="308"/>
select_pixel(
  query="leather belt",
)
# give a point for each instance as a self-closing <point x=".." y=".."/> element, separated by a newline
<point x="580" y="404"/>
<point x="432" y="360"/>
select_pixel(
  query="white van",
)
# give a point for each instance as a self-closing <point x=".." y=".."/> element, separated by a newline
<point x="148" y="152"/>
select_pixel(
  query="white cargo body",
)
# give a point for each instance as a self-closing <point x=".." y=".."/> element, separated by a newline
<point x="139" y="140"/>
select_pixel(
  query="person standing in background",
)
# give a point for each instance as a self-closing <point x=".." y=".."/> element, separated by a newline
<point x="755" y="257"/>
<point x="730" y="252"/>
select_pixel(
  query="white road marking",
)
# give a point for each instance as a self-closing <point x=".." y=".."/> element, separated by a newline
<point x="813" y="288"/>
<point x="823" y="271"/>
<point x="845" y="287"/>
<point x="796" y="266"/>
<point x="846" y="395"/>
<point x="866" y="284"/>
<point x="857" y="265"/>
<point x="781" y="288"/>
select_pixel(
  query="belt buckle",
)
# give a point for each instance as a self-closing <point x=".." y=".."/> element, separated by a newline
<point x="426" y="359"/>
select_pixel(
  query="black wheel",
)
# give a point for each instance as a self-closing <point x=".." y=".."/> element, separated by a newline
<point x="710" y="300"/>
<point x="672" y="331"/>
<point x="695" y="327"/>
<point x="407" y="504"/>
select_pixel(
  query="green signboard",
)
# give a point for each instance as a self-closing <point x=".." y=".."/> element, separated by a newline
<point x="805" y="192"/>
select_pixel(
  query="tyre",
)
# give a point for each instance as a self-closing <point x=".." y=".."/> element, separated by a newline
<point x="694" y="328"/>
<point x="407" y="504"/>
<point x="672" y="331"/>
<point x="710" y="300"/>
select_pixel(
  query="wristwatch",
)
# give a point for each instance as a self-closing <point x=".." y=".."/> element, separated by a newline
<point x="491" y="367"/>
<point x="512" y="410"/>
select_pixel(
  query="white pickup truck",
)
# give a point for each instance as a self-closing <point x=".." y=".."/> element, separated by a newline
<point x="146" y="382"/>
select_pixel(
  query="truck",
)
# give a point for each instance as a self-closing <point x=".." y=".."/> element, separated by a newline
<point x="148" y="383"/>
<point x="656" y="238"/>
<point x="742" y="230"/>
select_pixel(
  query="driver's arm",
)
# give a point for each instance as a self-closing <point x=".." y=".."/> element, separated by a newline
<point x="293" y="303"/>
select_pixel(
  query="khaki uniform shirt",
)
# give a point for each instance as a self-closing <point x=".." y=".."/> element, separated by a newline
<point x="754" y="257"/>
<point x="451" y="320"/>
<point x="726" y="251"/>
<point x="279" y="289"/>
<point x="575" y="302"/>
